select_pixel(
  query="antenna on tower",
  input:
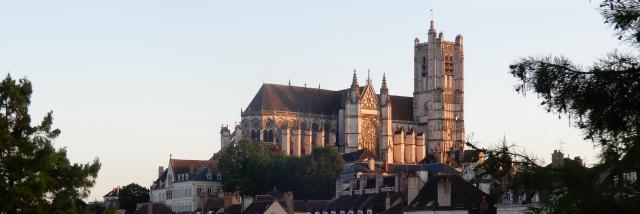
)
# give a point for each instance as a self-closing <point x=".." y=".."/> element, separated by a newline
<point x="562" y="145"/>
<point x="431" y="10"/>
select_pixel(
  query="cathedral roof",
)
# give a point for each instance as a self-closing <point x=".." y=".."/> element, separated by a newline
<point x="273" y="97"/>
<point x="402" y="108"/>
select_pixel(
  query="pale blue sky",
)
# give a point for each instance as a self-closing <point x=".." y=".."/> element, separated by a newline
<point x="132" y="81"/>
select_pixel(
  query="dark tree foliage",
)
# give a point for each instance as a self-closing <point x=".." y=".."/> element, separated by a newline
<point x="246" y="166"/>
<point x="131" y="195"/>
<point x="249" y="167"/>
<point x="603" y="100"/>
<point x="35" y="177"/>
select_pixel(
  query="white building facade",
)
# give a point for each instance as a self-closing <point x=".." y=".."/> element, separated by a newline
<point x="180" y="185"/>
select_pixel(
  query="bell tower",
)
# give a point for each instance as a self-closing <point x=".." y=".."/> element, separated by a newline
<point x="439" y="93"/>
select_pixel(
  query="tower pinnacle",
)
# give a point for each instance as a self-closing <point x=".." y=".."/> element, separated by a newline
<point x="384" y="89"/>
<point x="432" y="27"/>
<point x="354" y="82"/>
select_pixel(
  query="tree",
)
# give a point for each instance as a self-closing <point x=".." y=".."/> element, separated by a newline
<point x="131" y="195"/>
<point x="325" y="165"/>
<point x="604" y="101"/>
<point x="35" y="177"/>
<point x="248" y="166"/>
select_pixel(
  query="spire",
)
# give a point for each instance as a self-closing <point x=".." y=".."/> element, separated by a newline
<point x="384" y="89"/>
<point x="504" y="140"/>
<point x="354" y="82"/>
<point x="384" y="80"/>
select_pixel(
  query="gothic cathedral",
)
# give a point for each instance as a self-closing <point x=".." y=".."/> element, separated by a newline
<point x="425" y="128"/>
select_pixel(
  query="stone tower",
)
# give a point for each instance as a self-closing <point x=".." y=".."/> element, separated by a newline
<point x="439" y="94"/>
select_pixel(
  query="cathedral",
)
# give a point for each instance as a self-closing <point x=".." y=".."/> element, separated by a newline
<point x="429" y="126"/>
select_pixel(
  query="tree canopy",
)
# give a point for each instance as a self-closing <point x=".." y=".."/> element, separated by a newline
<point x="131" y="195"/>
<point x="250" y="167"/>
<point x="603" y="100"/>
<point x="35" y="177"/>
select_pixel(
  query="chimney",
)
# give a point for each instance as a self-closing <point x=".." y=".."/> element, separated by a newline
<point x="160" y="171"/>
<point x="203" y="199"/>
<point x="288" y="196"/>
<point x="557" y="159"/>
<point x="150" y="208"/>
<point x="444" y="192"/>
<point x="228" y="200"/>
<point x="387" y="202"/>
<point x="372" y="165"/>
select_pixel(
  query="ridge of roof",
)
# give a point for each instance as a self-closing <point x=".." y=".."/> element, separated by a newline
<point x="276" y="97"/>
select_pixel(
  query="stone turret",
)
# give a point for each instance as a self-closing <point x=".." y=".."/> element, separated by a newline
<point x="386" y="131"/>
<point x="225" y="137"/>
<point x="409" y="147"/>
<point x="398" y="146"/>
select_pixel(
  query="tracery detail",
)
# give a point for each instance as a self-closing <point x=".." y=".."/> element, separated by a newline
<point x="369" y="134"/>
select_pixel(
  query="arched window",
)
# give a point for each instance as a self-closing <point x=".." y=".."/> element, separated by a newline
<point x="267" y="135"/>
<point x="314" y="134"/>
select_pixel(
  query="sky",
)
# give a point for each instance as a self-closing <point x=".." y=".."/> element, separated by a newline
<point x="131" y="82"/>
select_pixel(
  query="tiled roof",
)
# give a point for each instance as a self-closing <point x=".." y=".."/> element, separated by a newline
<point x="296" y="99"/>
<point x="359" y="155"/>
<point x="275" y="193"/>
<point x="401" y="108"/>
<point x="113" y="193"/>
<point x="158" y="208"/>
<point x="299" y="206"/>
<point x="376" y="202"/>
<point x="197" y="170"/>
<point x="214" y="204"/>
<point x="272" y="97"/>
<point x="234" y="209"/>
<point x="258" y="207"/>
<point x="436" y="168"/>
<point x="464" y="196"/>
<point x="316" y="205"/>
<point x="185" y="166"/>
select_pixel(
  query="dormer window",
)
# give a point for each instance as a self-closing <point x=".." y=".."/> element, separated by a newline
<point x="209" y="176"/>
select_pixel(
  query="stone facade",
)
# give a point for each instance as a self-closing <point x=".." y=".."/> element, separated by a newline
<point x="429" y="125"/>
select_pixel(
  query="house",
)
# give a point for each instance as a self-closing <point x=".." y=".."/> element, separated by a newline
<point x="449" y="193"/>
<point x="111" y="198"/>
<point x="180" y="185"/>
